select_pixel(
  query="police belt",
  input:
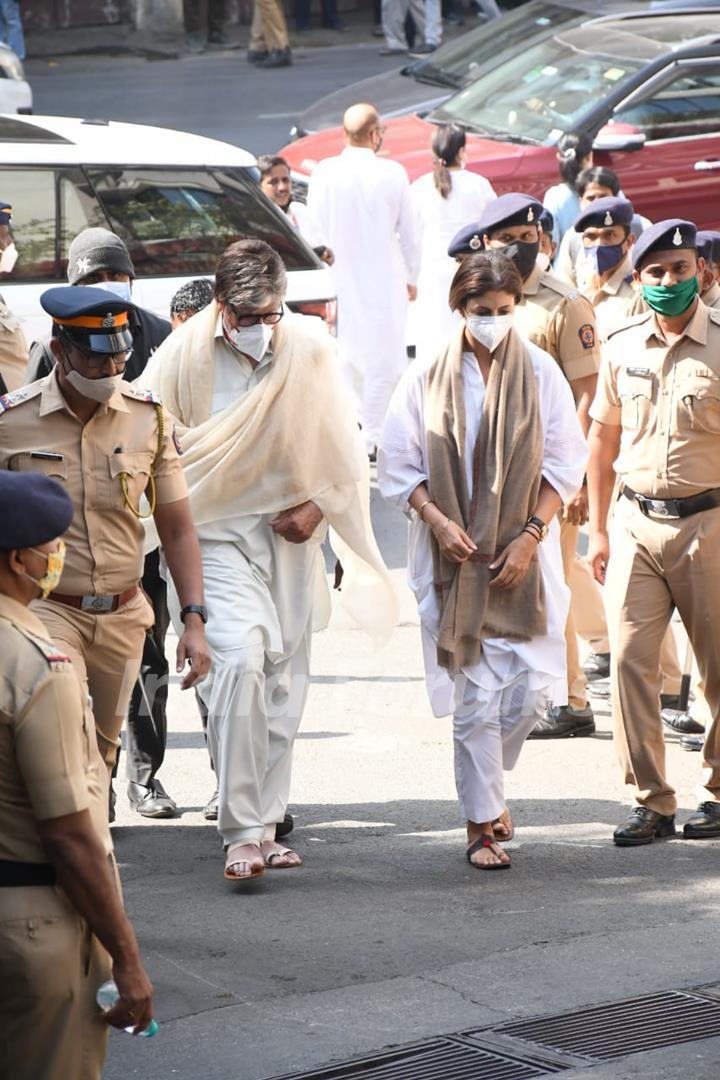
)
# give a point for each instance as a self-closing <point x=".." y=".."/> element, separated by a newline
<point x="674" y="508"/>
<point x="16" y="874"/>
<point x="96" y="605"/>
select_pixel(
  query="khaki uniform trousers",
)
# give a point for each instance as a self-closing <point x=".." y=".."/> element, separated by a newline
<point x="656" y="566"/>
<point x="106" y="651"/>
<point x="269" y="29"/>
<point x="50" y="969"/>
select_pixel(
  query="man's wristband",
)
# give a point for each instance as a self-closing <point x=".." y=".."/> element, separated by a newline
<point x="194" y="609"/>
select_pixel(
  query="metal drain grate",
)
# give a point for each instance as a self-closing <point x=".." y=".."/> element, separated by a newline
<point x="632" y="1026"/>
<point x="441" y="1059"/>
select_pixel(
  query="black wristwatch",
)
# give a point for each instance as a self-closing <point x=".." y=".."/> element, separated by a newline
<point x="539" y="524"/>
<point x="194" y="609"/>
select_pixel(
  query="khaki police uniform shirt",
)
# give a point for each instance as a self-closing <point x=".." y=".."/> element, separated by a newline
<point x="560" y="321"/>
<point x="13" y="349"/>
<point x="614" y="299"/>
<point x="666" y="399"/>
<point x="40" y="433"/>
<point x="49" y="759"/>
<point x="711" y="296"/>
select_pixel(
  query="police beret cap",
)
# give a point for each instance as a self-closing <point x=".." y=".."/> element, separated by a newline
<point x="547" y="220"/>
<point x="34" y="509"/>
<point x="466" y="241"/>
<point x="603" y="213"/>
<point x="674" y="233"/>
<point x="5" y="213"/>
<point x="514" y="208"/>
<point x="708" y="245"/>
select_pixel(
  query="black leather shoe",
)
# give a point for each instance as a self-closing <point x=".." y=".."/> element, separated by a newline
<point x="285" y="827"/>
<point x="597" y="665"/>
<point x="152" y="801"/>
<point x="642" y="826"/>
<point x="704" y="824"/>
<point x="277" y="58"/>
<point x="681" y="722"/>
<point x="692" y="742"/>
<point x="564" y="722"/>
<point x="256" y="56"/>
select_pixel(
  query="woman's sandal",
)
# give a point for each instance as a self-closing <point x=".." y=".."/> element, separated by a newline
<point x="255" y="867"/>
<point x="272" y="858"/>
<point x="500" y="827"/>
<point x="485" y="840"/>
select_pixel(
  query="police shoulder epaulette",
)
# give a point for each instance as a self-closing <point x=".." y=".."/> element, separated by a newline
<point x="714" y="315"/>
<point x="628" y="322"/>
<point x="52" y="654"/>
<point x="141" y="394"/>
<point x="17" y="397"/>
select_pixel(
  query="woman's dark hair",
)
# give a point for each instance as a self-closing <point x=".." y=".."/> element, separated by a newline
<point x="572" y="149"/>
<point x="447" y="142"/>
<point x="266" y="162"/>
<point x="488" y="271"/>
<point x="598" y="175"/>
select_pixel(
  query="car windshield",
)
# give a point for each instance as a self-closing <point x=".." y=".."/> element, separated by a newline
<point x="460" y="61"/>
<point x="547" y="88"/>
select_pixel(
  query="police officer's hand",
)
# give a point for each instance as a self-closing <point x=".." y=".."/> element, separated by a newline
<point x="193" y="649"/>
<point x="454" y="542"/>
<point x="599" y="555"/>
<point x="135" y="1005"/>
<point x="575" y="511"/>
<point x="297" y="524"/>
<point x="514" y="562"/>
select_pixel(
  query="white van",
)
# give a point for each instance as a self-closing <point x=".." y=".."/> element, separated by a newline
<point x="177" y="200"/>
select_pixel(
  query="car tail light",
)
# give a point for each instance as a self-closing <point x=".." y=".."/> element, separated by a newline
<point x="324" y="309"/>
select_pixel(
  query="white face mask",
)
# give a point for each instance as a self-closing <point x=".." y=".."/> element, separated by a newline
<point x="95" y="389"/>
<point x="251" y="340"/>
<point x="489" y="330"/>
<point x="8" y="259"/>
<point x="121" y="289"/>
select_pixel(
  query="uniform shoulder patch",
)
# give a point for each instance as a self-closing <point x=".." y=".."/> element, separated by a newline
<point x="54" y="656"/>
<point x="586" y="333"/>
<point x="629" y="322"/>
<point x="16" y="397"/>
<point x="141" y="394"/>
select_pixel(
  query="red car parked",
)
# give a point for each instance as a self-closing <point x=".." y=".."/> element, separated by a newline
<point x="647" y="87"/>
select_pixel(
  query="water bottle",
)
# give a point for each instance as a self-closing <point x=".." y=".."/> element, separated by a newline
<point x="108" y="995"/>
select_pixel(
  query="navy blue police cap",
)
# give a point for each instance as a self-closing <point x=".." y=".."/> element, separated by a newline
<point x="547" y="220"/>
<point x="514" y="208"/>
<point x="670" y="235"/>
<point x="466" y="241"/>
<point x="5" y="213"/>
<point x="708" y="245"/>
<point x="91" y="317"/>
<point x="34" y="509"/>
<point x="603" y="213"/>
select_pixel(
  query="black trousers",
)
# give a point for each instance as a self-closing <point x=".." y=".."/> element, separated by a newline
<point x="147" y="715"/>
<point x="302" y="13"/>
<point x="193" y="16"/>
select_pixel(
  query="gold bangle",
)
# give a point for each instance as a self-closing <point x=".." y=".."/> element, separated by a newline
<point x="420" y="511"/>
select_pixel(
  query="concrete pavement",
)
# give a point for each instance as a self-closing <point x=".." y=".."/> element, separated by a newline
<point x="386" y="935"/>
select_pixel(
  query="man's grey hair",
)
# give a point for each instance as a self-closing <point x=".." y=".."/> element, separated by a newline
<point x="249" y="274"/>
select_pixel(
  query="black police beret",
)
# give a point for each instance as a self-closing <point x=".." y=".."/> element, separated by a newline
<point x="708" y="245"/>
<point x="603" y="213"/>
<point x="664" y="236"/>
<point x="33" y="509"/>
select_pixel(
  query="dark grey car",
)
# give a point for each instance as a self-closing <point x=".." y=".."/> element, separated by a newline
<point x="422" y="86"/>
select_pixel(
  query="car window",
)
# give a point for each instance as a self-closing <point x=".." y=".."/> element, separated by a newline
<point x="179" y="221"/>
<point x="31" y="193"/>
<point x="689" y="105"/>
<point x="79" y="209"/>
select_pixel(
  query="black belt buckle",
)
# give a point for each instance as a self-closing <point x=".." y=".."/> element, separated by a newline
<point x="663" y="508"/>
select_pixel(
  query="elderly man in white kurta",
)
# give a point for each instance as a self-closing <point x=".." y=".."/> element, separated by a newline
<point x="362" y="206"/>
<point x="271" y="456"/>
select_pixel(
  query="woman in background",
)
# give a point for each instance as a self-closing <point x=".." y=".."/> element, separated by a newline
<point x="444" y="200"/>
<point x="574" y="153"/>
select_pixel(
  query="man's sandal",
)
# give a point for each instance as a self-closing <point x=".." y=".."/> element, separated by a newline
<point x="485" y="840"/>
<point x="504" y="831"/>
<point x="276" y="858"/>
<point x="253" y="867"/>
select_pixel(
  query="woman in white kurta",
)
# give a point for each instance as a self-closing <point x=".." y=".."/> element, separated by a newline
<point x="496" y="700"/>
<point x="444" y="201"/>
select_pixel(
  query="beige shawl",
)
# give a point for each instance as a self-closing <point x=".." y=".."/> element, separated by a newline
<point x="506" y="472"/>
<point x="292" y="438"/>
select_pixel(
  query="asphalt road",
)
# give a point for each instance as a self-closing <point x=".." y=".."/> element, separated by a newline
<point x="216" y="94"/>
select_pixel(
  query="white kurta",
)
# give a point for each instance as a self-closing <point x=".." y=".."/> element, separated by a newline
<point x="361" y="205"/>
<point x="302" y="220"/>
<point x="402" y="466"/>
<point x="437" y="221"/>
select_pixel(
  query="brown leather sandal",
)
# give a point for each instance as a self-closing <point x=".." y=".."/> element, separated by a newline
<point x="485" y="840"/>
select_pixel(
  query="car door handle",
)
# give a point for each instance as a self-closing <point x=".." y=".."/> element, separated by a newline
<point x="705" y="166"/>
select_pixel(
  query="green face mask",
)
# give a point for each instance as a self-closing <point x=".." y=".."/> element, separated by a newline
<point x="671" y="299"/>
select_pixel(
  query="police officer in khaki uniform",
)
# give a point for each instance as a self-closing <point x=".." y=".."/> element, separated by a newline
<point x="109" y="445"/>
<point x="708" y="247"/>
<point x="607" y="239"/>
<point x="13" y="347"/>
<point x="63" y="931"/>
<point x="557" y="319"/>
<point x="656" y="427"/>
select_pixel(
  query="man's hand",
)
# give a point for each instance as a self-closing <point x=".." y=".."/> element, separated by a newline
<point x="135" y="1005"/>
<point x="575" y="511"/>
<point x="297" y="524"/>
<point x="599" y="555"/>
<point x="412" y="292"/>
<point x="193" y="649"/>
<point x="454" y="542"/>
<point x="515" y="562"/>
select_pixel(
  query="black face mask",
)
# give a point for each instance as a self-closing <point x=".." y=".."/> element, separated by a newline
<point x="523" y="255"/>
